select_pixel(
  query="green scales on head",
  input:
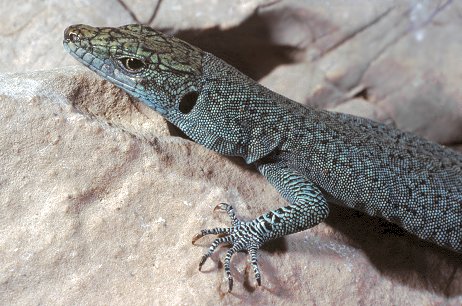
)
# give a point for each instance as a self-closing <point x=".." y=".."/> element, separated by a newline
<point x="144" y="62"/>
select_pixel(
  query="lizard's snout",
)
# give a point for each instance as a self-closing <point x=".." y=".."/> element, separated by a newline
<point x="71" y="34"/>
<point x="74" y="37"/>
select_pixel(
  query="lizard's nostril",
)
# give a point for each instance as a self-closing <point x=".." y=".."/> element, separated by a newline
<point x="74" y="37"/>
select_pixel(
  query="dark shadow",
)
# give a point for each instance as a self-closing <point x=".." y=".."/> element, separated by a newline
<point x="250" y="46"/>
<point x="176" y="132"/>
<point x="278" y="245"/>
<point x="399" y="255"/>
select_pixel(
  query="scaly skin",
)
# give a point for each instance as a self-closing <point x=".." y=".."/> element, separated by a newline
<point x="308" y="155"/>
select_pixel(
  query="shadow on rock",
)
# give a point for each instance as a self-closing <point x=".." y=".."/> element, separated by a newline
<point x="251" y="46"/>
<point x="399" y="255"/>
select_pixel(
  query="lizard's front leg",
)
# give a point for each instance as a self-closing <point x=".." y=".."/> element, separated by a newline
<point x="307" y="208"/>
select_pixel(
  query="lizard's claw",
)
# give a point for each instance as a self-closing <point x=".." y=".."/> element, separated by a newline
<point x="243" y="235"/>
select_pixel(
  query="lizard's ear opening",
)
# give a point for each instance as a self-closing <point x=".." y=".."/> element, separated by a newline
<point x="188" y="101"/>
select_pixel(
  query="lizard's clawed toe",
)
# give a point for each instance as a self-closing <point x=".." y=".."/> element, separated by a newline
<point x="241" y="235"/>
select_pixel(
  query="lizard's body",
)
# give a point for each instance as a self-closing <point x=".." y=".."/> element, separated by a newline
<point x="309" y="155"/>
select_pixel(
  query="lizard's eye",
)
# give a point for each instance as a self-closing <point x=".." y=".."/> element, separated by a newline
<point x="132" y="64"/>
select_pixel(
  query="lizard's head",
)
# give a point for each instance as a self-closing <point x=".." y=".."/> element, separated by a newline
<point x="160" y="70"/>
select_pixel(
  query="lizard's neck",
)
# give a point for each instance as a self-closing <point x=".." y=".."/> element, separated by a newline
<point x="233" y="115"/>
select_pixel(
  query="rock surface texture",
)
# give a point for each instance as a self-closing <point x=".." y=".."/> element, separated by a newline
<point x="101" y="197"/>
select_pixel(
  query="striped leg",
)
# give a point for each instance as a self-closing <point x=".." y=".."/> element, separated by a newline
<point x="307" y="208"/>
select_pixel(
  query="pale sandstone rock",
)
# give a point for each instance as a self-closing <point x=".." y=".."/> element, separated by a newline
<point x="93" y="213"/>
<point x="403" y="54"/>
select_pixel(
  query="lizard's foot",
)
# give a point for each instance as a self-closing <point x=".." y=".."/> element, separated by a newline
<point x="245" y="236"/>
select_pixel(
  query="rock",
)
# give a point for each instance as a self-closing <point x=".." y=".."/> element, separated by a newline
<point x="95" y="213"/>
<point x="402" y="56"/>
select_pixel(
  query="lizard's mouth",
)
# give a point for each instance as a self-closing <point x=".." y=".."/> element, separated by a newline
<point x="95" y="58"/>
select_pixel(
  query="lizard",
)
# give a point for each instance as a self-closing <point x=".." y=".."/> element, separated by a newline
<point x="311" y="156"/>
